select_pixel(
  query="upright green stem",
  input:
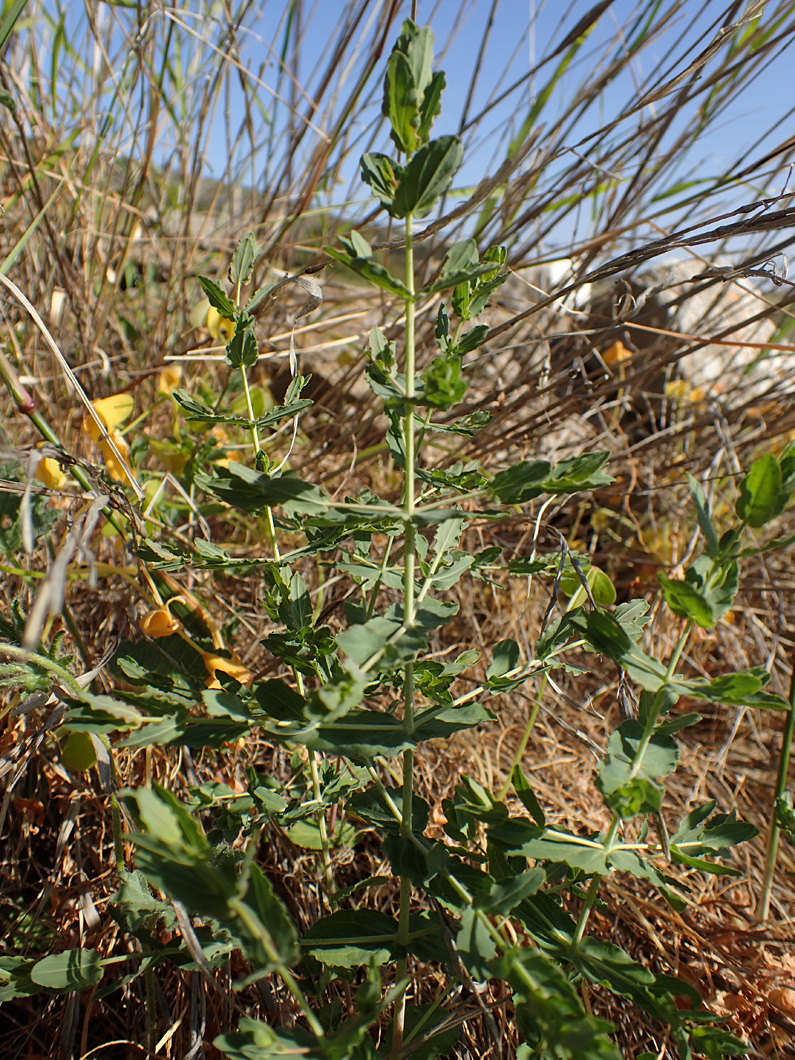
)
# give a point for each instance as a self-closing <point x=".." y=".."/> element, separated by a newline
<point x="251" y="416"/>
<point x="651" y="721"/>
<point x="260" y="931"/>
<point x="763" y="905"/>
<point x="409" y="499"/>
<point x="325" y="846"/>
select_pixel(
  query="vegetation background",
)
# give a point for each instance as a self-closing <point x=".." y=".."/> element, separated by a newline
<point x="634" y="162"/>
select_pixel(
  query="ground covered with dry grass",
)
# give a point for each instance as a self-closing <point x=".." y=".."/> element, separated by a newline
<point x="665" y="340"/>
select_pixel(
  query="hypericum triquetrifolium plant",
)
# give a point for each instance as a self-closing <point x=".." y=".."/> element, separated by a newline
<point x="490" y="897"/>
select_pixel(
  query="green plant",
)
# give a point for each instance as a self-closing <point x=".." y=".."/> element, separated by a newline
<point x="373" y="692"/>
<point x="489" y="897"/>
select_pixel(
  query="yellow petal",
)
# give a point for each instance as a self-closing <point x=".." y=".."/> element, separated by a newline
<point x="677" y="390"/>
<point x="616" y="354"/>
<point x="159" y="623"/>
<point x="234" y="667"/>
<point x="115" y="469"/>
<point x="49" y="472"/>
<point x="169" y="379"/>
<point x="112" y="411"/>
<point x="219" y="327"/>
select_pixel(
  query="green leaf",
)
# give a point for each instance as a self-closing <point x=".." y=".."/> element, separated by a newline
<point x="15" y="978"/>
<point x="604" y="632"/>
<point x="760" y="497"/>
<point x="520" y="483"/>
<point x="258" y="296"/>
<point x="349" y="938"/>
<point x="243" y="260"/>
<point x="707" y="592"/>
<point x="549" y="1012"/>
<point x="627" y="775"/>
<point x="358" y="256"/>
<point x="69" y="971"/>
<point x="440" y="724"/>
<point x="557" y="845"/>
<point x="785" y="816"/>
<point x="610" y="966"/>
<point x="431" y="105"/>
<point x="460" y="265"/>
<point x="101" y="714"/>
<point x="704" y="520"/>
<point x="472" y="340"/>
<point x="254" y="1040"/>
<point x="12" y="12"/>
<point x="579" y="473"/>
<point x="602" y="589"/>
<point x="632" y="616"/>
<point x="410" y="90"/>
<point x="243" y="350"/>
<point x="607" y="636"/>
<point x="275" y="921"/>
<point x="252" y="490"/>
<point x="475" y="945"/>
<point x="361" y="733"/>
<point x="381" y="174"/>
<point x="527" y="796"/>
<point x="427" y="176"/>
<point x="701" y="837"/>
<point x="136" y="907"/>
<point x="739" y="689"/>
<point x="505" y="895"/>
<point x="204" y="414"/>
<point x="471" y="296"/>
<point x="444" y="384"/>
<point x="505" y="657"/>
<point x="218" y="298"/>
<point x="175" y="855"/>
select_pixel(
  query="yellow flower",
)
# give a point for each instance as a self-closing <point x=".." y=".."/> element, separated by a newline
<point x="115" y="469"/>
<point x="234" y="667"/>
<point x="112" y="412"/>
<point x="219" y="327"/>
<point x="48" y="472"/>
<point x="159" y="623"/>
<point x="681" y="390"/>
<point x="169" y="378"/>
<point x="616" y="354"/>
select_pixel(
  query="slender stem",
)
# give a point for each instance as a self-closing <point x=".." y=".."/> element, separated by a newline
<point x="409" y="500"/>
<point x="259" y="930"/>
<point x="763" y="905"/>
<point x="587" y="906"/>
<point x="325" y="846"/>
<point x="651" y="720"/>
<point x="251" y="416"/>
<point x="314" y="773"/>
<point x="118" y="839"/>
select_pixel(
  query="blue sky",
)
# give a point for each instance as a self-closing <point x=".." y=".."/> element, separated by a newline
<point x="522" y="33"/>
